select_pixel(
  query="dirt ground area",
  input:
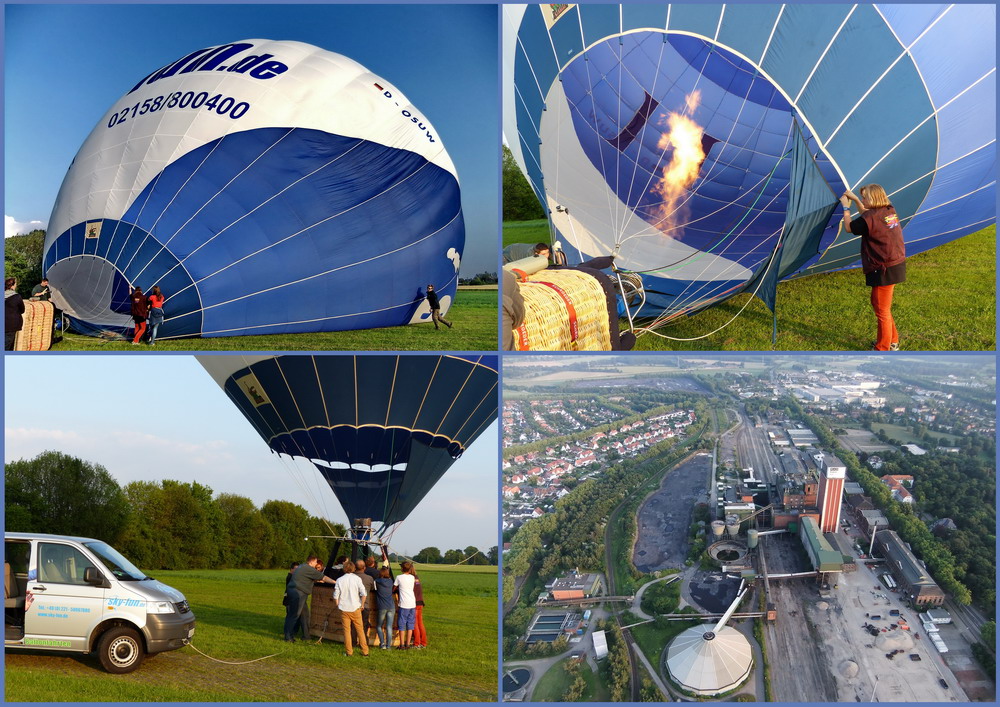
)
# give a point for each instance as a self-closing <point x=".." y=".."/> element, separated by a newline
<point x="664" y="517"/>
<point x="819" y="651"/>
<point x="799" y="672"/>
<point x="713" y="592"/>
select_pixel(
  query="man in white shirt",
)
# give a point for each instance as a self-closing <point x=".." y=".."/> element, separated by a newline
<point x="349" y="593"/>
<point x="406" y="616"/>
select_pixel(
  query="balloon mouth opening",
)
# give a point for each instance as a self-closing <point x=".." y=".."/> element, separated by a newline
<point x="91" y="288"/>
<point x="720" y="220"/>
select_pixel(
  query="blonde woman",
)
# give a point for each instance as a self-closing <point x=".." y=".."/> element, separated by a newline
<point x="883" y="255"/>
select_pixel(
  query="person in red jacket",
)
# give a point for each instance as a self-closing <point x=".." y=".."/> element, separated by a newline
<point x="140" y="309"/>
<point x="883" y="255"/>
<point x="419" y="632"/>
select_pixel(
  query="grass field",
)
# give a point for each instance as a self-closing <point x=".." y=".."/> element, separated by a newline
<point x="947" y="303"/>
<point x="553" y="685"/>
<point x="239" y="618"/>
<point x="906" y="435"/>
<point x="474" y="316"/>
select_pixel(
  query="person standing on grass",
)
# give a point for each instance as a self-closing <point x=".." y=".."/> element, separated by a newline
<point x="419" y="632"/>
<point x="386" y="608"/>
<point x="432" y="300"/>
<point x="883" y="255"/>
<point x="407" y="603"/>
<point x="367" y="620"/>
<point x="349" y="595"/>
<point x="140" y="310"/>
<point x="156" y="300"/>
<point x="13" y="313"/>
<point x="304" y="578"/>
<point x="291" y="604"/>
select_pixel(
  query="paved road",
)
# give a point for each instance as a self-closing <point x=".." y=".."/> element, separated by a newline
<point x="636" y="607"/>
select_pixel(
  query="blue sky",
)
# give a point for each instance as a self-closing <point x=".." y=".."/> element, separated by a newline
<point x="148" y="418"/>
<point x="66" y="64"/>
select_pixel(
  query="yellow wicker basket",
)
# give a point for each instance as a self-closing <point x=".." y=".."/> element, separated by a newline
<point x="36" y="334"/>
<point x="565" y="310"/>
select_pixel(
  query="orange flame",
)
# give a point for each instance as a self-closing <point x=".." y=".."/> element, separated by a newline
<point x="684" y="138"/>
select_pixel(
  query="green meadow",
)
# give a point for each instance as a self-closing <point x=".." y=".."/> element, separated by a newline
<point x="474" y="315"/>
<point x="948" y="303"/>
<point x="239" y="619"/>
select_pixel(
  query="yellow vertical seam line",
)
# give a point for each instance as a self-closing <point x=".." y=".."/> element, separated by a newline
<point x="322" y="395"/>
<point x="392" y="390"/>
<point x="472" y="370"/>
<point x="458" y="432"/>
<point x="429" y="384"/>
<point x="356" y="423"/>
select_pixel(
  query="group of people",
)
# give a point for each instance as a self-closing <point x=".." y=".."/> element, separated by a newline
<point x="399" y="600"/>
<point x="147" y="308"/>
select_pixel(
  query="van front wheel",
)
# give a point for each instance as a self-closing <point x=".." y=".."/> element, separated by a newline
<point x="120" y="650"/>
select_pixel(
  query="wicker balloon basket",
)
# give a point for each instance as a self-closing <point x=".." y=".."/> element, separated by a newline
<point x="565" y="310"/>
<point x="36" y="333"/>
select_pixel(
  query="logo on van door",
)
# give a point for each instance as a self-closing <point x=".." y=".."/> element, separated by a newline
<point x="118" y="601"/>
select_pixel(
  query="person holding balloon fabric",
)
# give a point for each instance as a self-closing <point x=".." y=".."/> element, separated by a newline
<point x="883" y="255"/>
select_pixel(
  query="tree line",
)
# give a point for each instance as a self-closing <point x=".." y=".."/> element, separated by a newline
<point x="164" y="524"/>
<point x="22" y="259"/>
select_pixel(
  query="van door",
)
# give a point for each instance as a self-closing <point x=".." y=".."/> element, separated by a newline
<point x="63" y="607"/>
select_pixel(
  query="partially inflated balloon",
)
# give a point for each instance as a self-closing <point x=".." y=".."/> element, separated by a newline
<point x="266" y="187"/>
<point x="380" y="429"/>
<point x="597" y="98"/>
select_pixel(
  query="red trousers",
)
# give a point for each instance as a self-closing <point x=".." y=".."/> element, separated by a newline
<point x="882" y="306"/>
<point x="140" y="329"/>
<point x="419" y="632"/>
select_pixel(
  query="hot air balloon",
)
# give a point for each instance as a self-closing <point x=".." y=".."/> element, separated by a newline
<point x="381" y="430"/>
<point x="704" y="145"/>
<point x="267" y="187"/>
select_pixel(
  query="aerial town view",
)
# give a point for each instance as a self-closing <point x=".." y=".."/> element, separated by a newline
<point x="791" y="528"/>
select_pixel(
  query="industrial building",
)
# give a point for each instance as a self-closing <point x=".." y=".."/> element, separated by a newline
<point x="802" y="438"/>
<point x="711" y="658"/>
<point x="831" y="490"/>
<point x="914" y="581"/>
<point x="821" y="554"/>
<point x="575" y="586"/>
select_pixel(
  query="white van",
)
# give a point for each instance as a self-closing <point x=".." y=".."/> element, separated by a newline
<point x="64" y="593"/>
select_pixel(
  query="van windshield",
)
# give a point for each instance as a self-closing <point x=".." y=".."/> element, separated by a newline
<point x="120" y="567"/>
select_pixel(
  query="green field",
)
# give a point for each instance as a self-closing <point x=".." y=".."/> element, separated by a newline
<point x="948" y="303"/>
<point x="906" y="436"/>
<point x="239" y="618"/>
<point x="474" y="316"/>
<point x="556" y="681"/>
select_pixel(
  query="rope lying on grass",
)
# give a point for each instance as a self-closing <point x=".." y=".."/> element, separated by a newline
<point x="238" y="662"/>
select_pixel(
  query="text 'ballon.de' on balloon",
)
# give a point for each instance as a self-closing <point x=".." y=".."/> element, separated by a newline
<point x="382" y="430"/>
<point x="266" y="187"/>
<point x="601" y="102"/>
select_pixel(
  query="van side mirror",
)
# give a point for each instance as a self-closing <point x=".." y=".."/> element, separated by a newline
<point x="92" y="575"/>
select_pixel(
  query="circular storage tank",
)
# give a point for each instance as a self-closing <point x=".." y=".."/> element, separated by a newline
<point x="709" y="663"/>
<point x="752" y="538"/>
<point x="733" y="525"/>
<point x="718" y="528"/>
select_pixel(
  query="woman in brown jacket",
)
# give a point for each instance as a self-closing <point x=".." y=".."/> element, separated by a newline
<point x="883" y="255"/>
